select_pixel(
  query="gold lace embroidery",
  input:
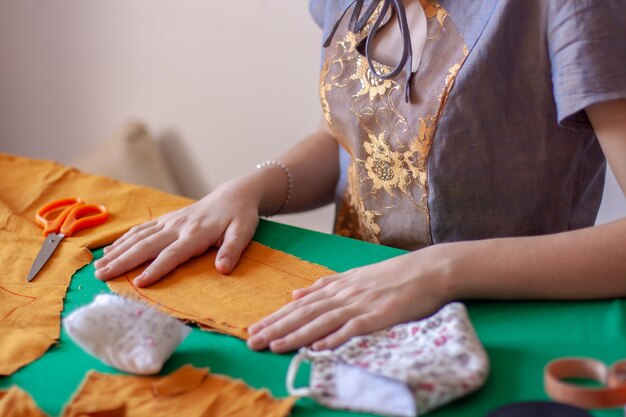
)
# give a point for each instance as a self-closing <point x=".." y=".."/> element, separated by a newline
<point x="324" y="88"/>
<point x="434" y="9"/>
<point x="389" y="152"/>
<point x="362" y="226"/>
<point x="385" y="167"/>
<point x="370" y="84"/>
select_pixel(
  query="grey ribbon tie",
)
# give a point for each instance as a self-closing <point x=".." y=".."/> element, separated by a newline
<point x="358" y="21"/>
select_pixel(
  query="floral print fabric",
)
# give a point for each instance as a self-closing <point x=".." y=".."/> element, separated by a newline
<point x="439" y="358"/>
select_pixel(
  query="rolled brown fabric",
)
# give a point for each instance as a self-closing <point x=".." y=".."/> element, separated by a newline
<point x="612" y="394"/>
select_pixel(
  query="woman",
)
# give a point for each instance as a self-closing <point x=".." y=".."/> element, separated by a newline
<point x="473" y="134"/>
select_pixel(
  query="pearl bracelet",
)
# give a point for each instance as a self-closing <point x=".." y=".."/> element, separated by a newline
<point x="289" y="182"/>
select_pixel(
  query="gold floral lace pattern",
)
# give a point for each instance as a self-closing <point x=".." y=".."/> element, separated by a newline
<point x="388" y="140"/>
<point x="433" y="9"/>
<point x="353" y="219"/>
<point x="370" y="84"/>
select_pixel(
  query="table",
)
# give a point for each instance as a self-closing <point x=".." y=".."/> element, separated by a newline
<point x="520" y="338"/>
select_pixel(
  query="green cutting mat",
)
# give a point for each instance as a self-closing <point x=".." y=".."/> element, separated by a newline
<point x="520" y="338"/>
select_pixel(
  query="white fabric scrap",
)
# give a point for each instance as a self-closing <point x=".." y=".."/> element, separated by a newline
<point x="126" y="334"/>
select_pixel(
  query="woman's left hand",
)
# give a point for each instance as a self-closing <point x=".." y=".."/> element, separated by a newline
<point x="360" y="301"/>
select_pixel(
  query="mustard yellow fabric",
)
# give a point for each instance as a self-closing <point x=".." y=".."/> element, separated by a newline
<point x="27" y="184"/>
<point x="17" y="403"/>
<point x="189" y="392"/>
<point x="30" y="312"/>
<point x="261" y="283"/>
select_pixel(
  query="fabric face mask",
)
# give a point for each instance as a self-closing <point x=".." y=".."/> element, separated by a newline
<point x="405" y="370"/>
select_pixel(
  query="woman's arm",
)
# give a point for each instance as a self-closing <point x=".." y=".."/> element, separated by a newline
<point x="586" y="263"/>
<point x="581" y="264"/>
<point x="227" y="217"/>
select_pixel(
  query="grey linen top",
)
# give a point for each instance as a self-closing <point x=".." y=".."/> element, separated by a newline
<point x="513" y="153"/>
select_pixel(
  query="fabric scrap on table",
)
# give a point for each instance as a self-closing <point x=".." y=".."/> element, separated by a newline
<point x="261" y="283"/>
<point x="16" y="402"/>
<point x="137" y="339"/>
<point x="30" y="312"/>
<point x="27" y="184"/>
<point x="189" y="392"/>
<point x="195" y="291"/>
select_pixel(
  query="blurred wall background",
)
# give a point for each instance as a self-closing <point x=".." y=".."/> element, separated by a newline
<point x="220" y="85"/>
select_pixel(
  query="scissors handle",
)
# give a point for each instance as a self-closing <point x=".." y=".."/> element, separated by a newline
<point x="74" y="215"/>
<point x="62" y="207"/>
<point x="84" y="216"/>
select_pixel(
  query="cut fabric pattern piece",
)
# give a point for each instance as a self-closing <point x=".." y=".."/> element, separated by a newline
<point x="16" y="402"/>
<point x="405" y="370"/>
<point x="10" y="301"/>
<point x="261" y="283"/>
<point x="28" y="184"/>
<point x="188" y="392"/>
<point x="30" y="312"/>
<point x="126" y="334"/>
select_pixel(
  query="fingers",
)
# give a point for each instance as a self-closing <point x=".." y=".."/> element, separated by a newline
<point x="288" y="323"/>
<point x="227" y="217"/>
<point x="120" y="248"/>
<point x="132" y="231"/>
<point x="134" y="256"/>
<point x="308" y="332"/>
<point x="171" y="244"/>
<point x="235" y="240"/>
<point x="325" y="324"/>
<point x="287" y="310"/>
<point x="337" y="308"/>
<point x="172" y="256"/>
<point x="319" y="284"/>
<point x="356" y="326"/>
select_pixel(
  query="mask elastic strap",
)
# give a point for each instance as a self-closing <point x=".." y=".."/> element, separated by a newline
<point x="294" y="366"/>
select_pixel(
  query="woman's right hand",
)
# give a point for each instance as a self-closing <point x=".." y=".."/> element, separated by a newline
<point x="227" y="218"/>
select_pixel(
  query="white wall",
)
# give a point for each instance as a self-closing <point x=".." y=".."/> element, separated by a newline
<point x="221" y="84"/>
<point x="613" y="202"/>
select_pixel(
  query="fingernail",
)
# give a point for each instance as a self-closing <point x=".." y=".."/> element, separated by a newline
<point x="255" y="328"/>
<point x="257" y="341"/>
<point x="101" y="262"/>
<point x="277" y="344"/>
<point x="319" y="346"/>
<point x="139" y="279"/>
<point x="101" y="273"/>
<point x="107" y="249"/>
<point x="224" y="263"/>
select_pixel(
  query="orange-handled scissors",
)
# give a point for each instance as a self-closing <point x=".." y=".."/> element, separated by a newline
<point x="62" y="218"/>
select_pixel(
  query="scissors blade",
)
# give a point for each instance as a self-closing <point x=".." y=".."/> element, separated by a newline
<point x="47" y="249"/>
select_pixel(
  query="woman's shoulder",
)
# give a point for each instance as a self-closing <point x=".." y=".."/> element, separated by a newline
<point x="325" y="12"/>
